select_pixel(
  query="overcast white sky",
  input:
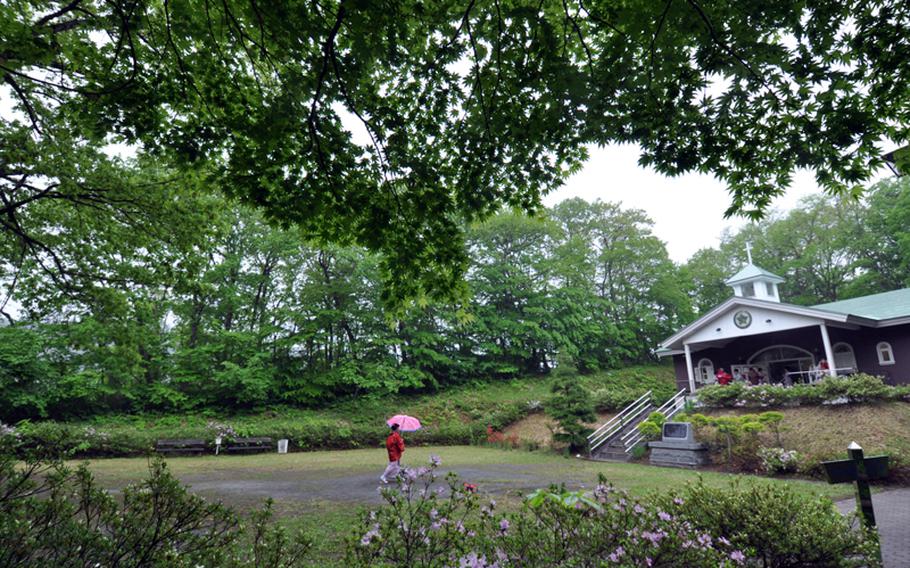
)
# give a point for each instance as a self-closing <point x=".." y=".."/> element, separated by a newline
<point x="688" y="211"/>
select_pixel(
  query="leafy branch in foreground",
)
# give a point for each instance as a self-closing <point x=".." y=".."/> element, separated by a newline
<point x="459" y="107"/>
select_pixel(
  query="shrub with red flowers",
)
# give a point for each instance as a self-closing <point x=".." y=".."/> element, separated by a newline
<point x="426" y="525"/>
<point x="499" y="439"/>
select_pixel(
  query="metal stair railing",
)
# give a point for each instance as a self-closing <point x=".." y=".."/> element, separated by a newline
<point x="669" y="409"/>
<point x="618" y="422"/>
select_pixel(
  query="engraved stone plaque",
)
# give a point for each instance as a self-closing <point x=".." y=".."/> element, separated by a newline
<point x="677" y="430"/>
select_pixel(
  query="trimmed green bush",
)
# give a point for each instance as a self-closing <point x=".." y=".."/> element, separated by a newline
<point x="737" y="437"/>
<point x="652" y="427"/>
<point x="720" y="396"/>
<point x="775" y="525"/>
<point x="571" y="408"/>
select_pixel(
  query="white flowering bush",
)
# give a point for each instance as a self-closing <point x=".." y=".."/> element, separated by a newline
<point x="219" y="430"/>
<point x="779" y="460"/>
<point x="9" y="432"/>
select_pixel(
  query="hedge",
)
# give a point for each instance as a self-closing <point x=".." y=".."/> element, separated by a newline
<point x="855" y="389"/>
<point x="130" y="436"/>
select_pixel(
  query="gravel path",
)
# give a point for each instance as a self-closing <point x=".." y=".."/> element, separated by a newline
<point x="892" y="515"/>
<point x="357" y="487"/>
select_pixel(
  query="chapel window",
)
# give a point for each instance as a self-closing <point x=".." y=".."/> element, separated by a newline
<point x="705" y="371"/>
<point x="749" y="290"/>
<point x="885" y="353"/>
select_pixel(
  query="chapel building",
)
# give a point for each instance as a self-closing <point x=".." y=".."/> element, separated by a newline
<point x="757" y="338"/>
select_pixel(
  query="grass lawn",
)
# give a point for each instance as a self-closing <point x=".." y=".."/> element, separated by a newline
<point x="324" y="491"/>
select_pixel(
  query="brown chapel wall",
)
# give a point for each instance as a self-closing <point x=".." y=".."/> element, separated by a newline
<point x="863" y="341"/>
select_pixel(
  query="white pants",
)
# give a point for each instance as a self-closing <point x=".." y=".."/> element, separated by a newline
<point x="390" y="471"/>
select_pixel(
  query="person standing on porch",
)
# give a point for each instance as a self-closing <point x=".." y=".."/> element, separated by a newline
<point x="754" y="376"/>
<point x="394" y="445"/>
<point x="723" y="377"/>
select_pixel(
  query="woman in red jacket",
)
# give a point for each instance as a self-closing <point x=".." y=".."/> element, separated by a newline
<point x="394" y="444"/>
<point x="723" y="377"/>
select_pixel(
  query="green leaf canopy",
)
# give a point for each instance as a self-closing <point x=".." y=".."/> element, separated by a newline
<point x="389" y="124"/>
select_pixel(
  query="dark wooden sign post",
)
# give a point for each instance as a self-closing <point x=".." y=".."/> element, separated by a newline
<point x="861" y="471"/>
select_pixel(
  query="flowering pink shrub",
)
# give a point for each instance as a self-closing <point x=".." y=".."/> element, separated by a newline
<point x="423" y="523"/>
<point x="563" y="528"/>
<point x="427" y="523"/>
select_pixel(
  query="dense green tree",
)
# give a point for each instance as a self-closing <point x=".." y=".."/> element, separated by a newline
<point x="627" y="269"/>
<point x="883" y="249"/>
<point x="510" y="282"/>
<point x="274" y="318"/>
<point x="827" y="249"/>
<point x="815" y="242"/>
<point x="28" y="382"/>
<point x="706" y="272"/>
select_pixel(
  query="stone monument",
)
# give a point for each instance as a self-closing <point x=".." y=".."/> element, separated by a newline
<point x="678" y="448"/>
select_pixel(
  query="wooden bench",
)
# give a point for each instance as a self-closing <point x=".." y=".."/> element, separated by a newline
<point x="181" y="447"/>
<point x="249" y="445"/>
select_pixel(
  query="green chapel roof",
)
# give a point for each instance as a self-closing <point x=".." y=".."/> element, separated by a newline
<point x="886" y="305"/>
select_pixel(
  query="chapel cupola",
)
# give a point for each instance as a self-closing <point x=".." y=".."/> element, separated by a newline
<point x="755" y="282"/>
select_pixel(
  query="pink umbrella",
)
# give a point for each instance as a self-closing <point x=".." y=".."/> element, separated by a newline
<point x="405" y="423"/>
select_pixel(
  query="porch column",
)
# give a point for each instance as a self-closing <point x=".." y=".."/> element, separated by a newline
<point x="689" y="371"/>
<point x="829" y="353"/>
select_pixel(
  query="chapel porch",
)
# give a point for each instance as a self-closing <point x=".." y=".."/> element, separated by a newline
<point x="784" y="357"/>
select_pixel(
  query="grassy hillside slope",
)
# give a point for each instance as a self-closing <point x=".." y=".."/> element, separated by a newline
<point x="454" y="416"/>
<point x="821" y="433"/>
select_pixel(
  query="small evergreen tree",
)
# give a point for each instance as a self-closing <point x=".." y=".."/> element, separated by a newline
<point x="571" y="406"/>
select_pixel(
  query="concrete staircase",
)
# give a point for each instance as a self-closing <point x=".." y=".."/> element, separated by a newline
<point x="615" y="440"/>
<point x="614" y="447"/>
<point x="610" y="441"/>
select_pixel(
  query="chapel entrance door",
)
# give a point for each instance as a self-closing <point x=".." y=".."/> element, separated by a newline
<point x="784" y="362"/>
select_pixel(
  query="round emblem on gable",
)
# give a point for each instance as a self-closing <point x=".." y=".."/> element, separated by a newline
<point x="742" y="319"/>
